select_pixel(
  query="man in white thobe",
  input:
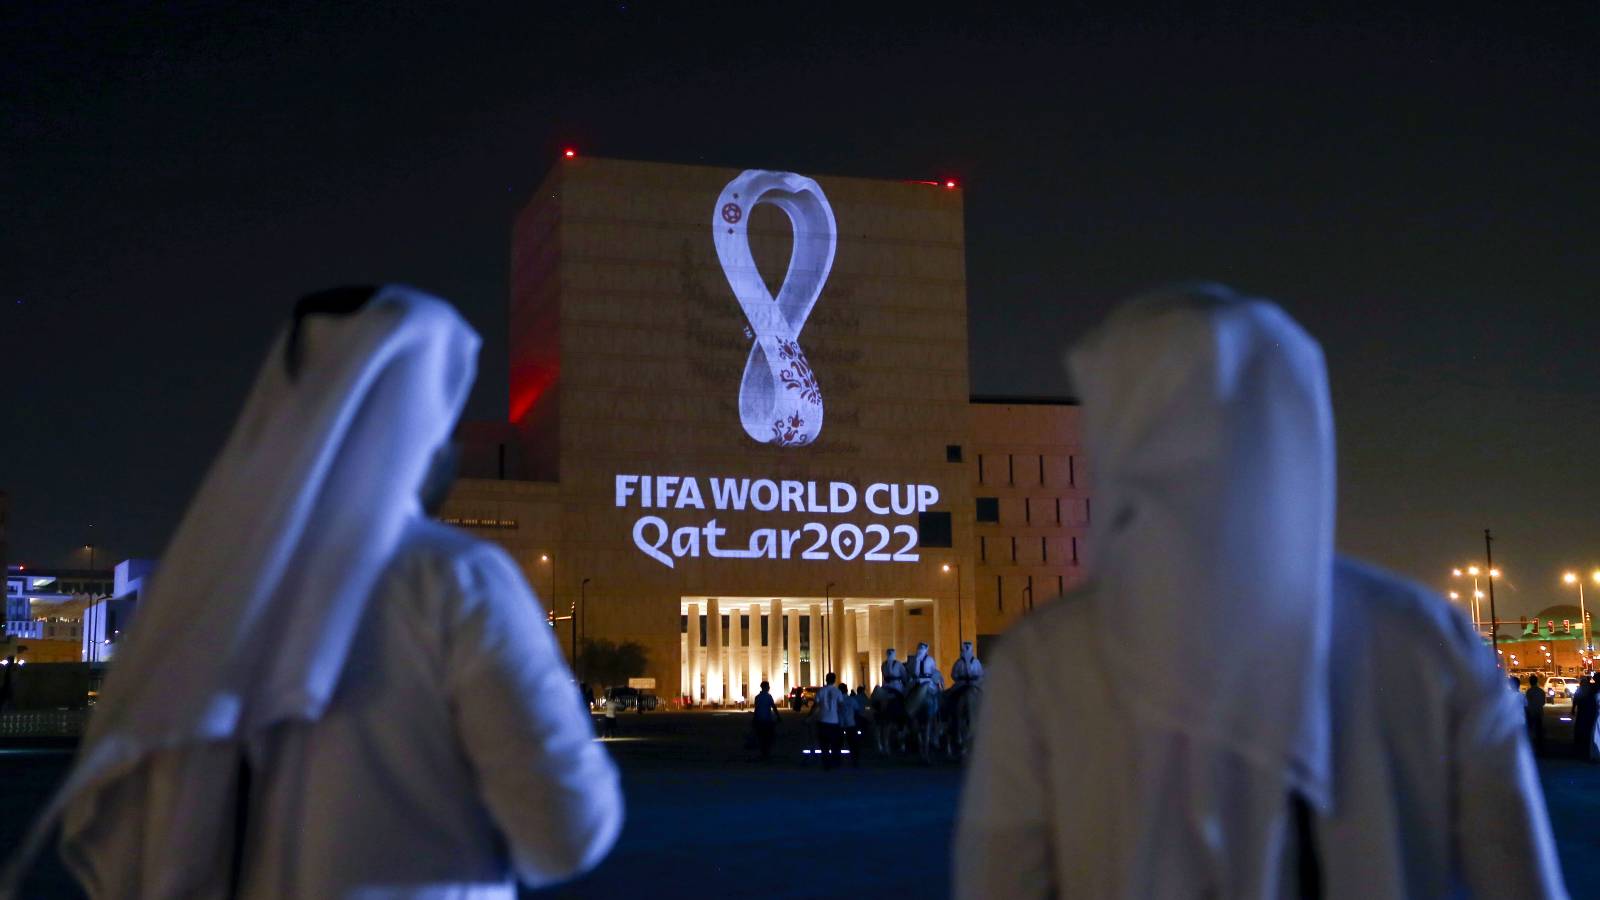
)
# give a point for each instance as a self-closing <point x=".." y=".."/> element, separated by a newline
<point x="924" y="670"/>
<point x="1273" y="768"/>
<point x="967" y="671"/>
<point x="894" y="673"/>
<point x="360" y="701"/>
<point x="829" y="722"/>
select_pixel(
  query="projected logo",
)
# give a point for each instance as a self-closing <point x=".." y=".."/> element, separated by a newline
<point x="780" y="401"/>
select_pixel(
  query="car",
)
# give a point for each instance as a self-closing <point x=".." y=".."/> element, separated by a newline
<point x="623" y="697"/>
<point x="802" y="697"/>
<point x="1561" y="687"/>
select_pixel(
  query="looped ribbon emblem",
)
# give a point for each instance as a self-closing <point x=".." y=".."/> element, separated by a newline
<point x="779" y="400"/>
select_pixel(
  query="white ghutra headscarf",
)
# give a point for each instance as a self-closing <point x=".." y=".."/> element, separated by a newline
<point x="252" y="613"/>
<point x="1208" y="422"/>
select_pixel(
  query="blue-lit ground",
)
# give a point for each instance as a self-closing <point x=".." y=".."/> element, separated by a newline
<point x="705" y="820"/>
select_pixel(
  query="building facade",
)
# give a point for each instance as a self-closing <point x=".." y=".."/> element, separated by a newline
<point x="741" y="433"/>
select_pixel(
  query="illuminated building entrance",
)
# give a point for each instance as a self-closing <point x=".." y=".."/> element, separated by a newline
<point x="729" y="645"/>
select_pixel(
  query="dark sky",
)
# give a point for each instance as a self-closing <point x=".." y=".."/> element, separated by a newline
<point x="1420" y="191"/>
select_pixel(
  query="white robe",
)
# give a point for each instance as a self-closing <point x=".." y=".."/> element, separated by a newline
<point x="1435" y="790"/>
<point x="453" y="757"/>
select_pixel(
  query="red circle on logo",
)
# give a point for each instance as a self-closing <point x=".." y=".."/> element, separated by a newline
<point x="731" y="213"/>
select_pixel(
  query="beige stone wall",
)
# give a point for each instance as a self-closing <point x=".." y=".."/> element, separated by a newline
<point x="1027" y="456"/>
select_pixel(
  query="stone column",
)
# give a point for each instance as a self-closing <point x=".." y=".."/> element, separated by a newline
<point x="756" y="664"/>
<point x="851" y="663"/>
<point x="692" y="686"/>
<point x="815" y="672"/>
<point x="874" y="647"/>
<point x="793" y="679"/>
<point x="901" y="651"/>
<point x="713" y="652"/>
<point x="775" y="647"/>
<point x="836" y="629"/>
<point x="736" y="654"/>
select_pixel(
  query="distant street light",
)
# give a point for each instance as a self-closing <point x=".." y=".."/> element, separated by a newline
<point x="1474" y="572"/>
<point x="1583" y="612"/>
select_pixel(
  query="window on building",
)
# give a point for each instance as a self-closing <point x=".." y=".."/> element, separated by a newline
<point x="1044" y="549"/>
<point x="1058" y="510"/>
<point x="952" y="453"/>
<point x="1013" y="548"/>
<point x="1011" y="469"/>
<point x="1000" y="593"/>
<point x="988" y="509"/>
<point x="683" y="624"/>
<point x="1061" y="585"/>
<point x="980" y="468"/>
<point x="1072" y="471"/>
<point x="1074" y="551"/>
<point x="983" y="549"/>
<point x="1027" y="510"/>
<point x="1087" y="516"/>
<point x="1030" y="592"/>
<point x="934" y="529"/>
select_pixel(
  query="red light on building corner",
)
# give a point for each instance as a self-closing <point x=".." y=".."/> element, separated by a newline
<point x="569" y="153"/>
<point x="950" y="184"/>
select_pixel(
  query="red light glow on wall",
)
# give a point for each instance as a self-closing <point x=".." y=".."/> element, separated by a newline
<point x="569" y="153"/>
<point x="527" y="386"/>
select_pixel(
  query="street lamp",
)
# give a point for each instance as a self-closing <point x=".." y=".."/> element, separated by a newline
<point x="1474" y="572"/>
<point x="1583" y="614"/>
<point x="572" y="616"/>
<point x="961" y="635"/>
<point x="583" y="608"/>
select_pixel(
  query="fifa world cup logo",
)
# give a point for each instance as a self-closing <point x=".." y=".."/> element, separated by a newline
<point x="780" y="401"/>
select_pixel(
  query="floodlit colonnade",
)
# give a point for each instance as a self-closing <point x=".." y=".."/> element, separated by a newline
<point x="793" y="642"/>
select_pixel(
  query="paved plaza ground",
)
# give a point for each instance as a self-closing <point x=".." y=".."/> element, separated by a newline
<point x="705" y="820"/>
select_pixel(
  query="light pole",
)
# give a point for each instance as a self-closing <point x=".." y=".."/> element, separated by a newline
<point x="1474" y="573"/>
<point x="550" y="561"/>
<point x="1583" y="613"/>
<point x="961" y="634"/>
<point x="583" y="608"/>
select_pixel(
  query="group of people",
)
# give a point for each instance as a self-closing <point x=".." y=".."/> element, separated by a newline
<point x="450" y="757"/>
<point x="840" y="715"/>
<point x="1585" y="714"/>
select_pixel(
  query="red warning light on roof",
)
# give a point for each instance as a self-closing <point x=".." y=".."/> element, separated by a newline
<point x="950" y="184"/>
<point x="569" y="153"/>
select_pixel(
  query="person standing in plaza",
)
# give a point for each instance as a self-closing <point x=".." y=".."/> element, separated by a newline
<point x="1533" y="711"/>
<point x="1583" y="717"/>
<point x="1271" y="768"/>
<point x="827" y="716"/>
<point x="612" y="702"/>
<point x="849" y="734"/>
<point x="765" y="720"/>
<point x="410" y="728"/>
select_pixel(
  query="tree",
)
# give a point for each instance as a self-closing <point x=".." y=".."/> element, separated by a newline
<point x="609" y="664"/>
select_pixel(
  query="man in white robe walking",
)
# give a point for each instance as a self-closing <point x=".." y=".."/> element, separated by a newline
<point x="1284" y="762"/>
<point x="328" y="694"/>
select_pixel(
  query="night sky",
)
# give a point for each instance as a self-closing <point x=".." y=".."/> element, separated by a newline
<point x="1420" y="191"/>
